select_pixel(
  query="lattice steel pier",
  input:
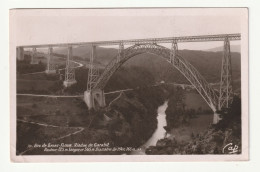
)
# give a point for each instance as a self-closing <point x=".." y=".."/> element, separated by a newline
<point x="69" y="71"/>
<point x="226" y="86"/>
<point x="50" y="65"/>
<point x="94" y="98"/>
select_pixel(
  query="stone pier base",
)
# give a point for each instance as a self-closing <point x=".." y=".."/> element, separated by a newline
<point x="216" y="118"/>
<point x="69" y="83"/>
<point x="20" y="53"/>
<point x="34" y="62"/>
<point x="95" y="98"/>
<point x="50" y="71"/>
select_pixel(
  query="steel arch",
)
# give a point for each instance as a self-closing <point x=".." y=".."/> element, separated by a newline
<point x="191" y="74"/>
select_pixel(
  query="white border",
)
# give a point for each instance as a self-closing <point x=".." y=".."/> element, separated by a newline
<point x="242" y="12"/>
<point x="254" y="87"/>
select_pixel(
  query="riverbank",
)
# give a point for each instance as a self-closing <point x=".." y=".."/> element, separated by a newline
<point x="137" y="110"/>
<point x="185" y="133"/>
<point x="159" y="133"/>
<point x="215" y="139"/>
<point x="195" y="123"/>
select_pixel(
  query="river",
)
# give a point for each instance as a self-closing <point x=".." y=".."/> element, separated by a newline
<point x="182" y="133"/>
<point x="159" y="133"/>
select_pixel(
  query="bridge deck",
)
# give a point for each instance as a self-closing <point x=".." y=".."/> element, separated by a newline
<point x="201" y="38"/>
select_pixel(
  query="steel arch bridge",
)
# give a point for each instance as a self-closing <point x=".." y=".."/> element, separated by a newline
<point x="182" y="65"/>
<point x="94" y="95"/>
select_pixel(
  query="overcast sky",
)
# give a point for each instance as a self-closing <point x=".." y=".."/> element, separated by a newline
<point x="68" y="26"/>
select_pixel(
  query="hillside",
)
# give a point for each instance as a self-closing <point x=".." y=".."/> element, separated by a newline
<point x="104" y="55"/>
<point x="233" y="48"/>
<point x="208" y="63"/>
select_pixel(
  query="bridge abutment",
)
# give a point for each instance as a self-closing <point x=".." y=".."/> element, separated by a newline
<point x="68" y="83"/>
<point x="50" y="71"/>
<point x="94" y="98"/>
<point x="216" y="118"/>
<point x="20" y="53"/>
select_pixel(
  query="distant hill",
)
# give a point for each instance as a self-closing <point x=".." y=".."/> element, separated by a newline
<point x="104" y="55"/>
<point x="233" y="48"/>
<point x="208" y="63"/>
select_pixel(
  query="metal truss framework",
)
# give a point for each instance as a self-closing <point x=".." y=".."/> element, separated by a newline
<point x="93" y="72"/>
<point x="50" y="65"/>
<point x="204" y="89"/>
<point x="226" y="88"/>
<point x="70" y="71"/>
<point x="33" y="55"/>
<point x="174" y="51"/>
<point x="20" y="53"/>
<point x="120" y="54"/>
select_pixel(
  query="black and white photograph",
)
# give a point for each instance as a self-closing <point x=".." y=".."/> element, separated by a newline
<point x="130" y="83"/>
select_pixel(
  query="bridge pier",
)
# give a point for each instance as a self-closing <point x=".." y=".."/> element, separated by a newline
<point x="33" y="54"/>
<point x="69" y="71"/>
<point x="174" y="51"/>
<point x="68" y="83"/>
<point x="120" y="52"/>
<point x="93" y="72"/>
<point x="50" y="70"/>
<point x="50" y="67"/>
<point x="226" y="86"/>
<point x="216" y="118"/>
<point x="20" y="53"/>
<point x="94" y="98"/>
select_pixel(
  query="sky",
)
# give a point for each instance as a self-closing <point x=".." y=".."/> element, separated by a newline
<point x="31" y="27"/>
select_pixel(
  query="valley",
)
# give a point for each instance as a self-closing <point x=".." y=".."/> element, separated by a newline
<point x="129" y="119"/>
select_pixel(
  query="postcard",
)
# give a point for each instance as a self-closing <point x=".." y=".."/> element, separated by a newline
<point x="145" y="84"/>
